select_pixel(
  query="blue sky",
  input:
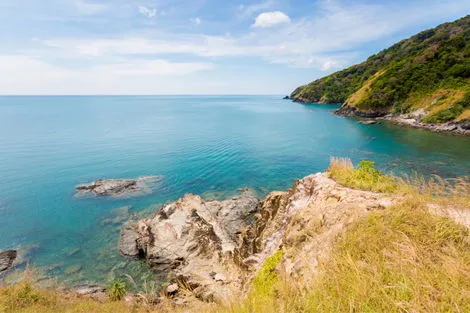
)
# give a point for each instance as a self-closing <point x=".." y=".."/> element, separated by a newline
<point x="197" y="46"/>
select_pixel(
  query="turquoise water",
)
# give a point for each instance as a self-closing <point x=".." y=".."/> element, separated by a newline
<point x="204" y="145"/>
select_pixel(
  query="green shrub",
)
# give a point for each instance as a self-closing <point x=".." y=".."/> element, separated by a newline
<point x="365" y="176"/>
<point x="266" y="279"/>
<point x="117" y="290"/>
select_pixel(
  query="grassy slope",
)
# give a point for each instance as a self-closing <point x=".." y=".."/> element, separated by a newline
<point x="432" y="66"/>
<point x="401" y="259"/>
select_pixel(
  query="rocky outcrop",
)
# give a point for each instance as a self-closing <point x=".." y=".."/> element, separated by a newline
<point x="214" y="248"/>
<point x="346" y="110"/>
<point x="461" y="128"/>
<point x="6" y="259"/>
<point x="120" y="187"/>
<point x="195" y="240"/>
<point x="413" y="119"/>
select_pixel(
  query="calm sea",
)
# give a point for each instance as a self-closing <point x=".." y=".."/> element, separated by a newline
<point x="205" y="145"/>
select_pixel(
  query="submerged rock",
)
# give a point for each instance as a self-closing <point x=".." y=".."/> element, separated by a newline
<point x="119" y="187"/>
<point x="73" y="269"/>
<point x="6" y="259"/>
<point x="370" y="122"/>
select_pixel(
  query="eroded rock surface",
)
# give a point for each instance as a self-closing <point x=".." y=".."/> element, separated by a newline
<point x="120" y="187"/>
<point x="195" y="240"/>
<point x="6" y="259"/>
<point x="212" y="248"/>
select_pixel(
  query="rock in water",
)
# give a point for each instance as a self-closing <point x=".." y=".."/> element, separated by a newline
<point x="119" y="187"/>
<point x="370" y="122"/>
<point x="6" y="259"/>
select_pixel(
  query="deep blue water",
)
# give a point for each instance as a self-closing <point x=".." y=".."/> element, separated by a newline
<point x="205" y="145"/>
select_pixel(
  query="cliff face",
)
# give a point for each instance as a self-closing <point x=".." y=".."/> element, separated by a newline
<point x="429" y="72"/>
<point x="215" y="248"/>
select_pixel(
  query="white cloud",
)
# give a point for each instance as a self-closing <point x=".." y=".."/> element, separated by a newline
<point x="303" y="43"/>
<point x="88" y="8"/>
<point x="33" y="75"/>
<point x="196" y="21"/>
<point x="150" y="13"/>
<point x="268" y="19"/>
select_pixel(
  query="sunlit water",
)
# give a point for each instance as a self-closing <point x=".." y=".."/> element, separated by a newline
<point x="204" y="145"/>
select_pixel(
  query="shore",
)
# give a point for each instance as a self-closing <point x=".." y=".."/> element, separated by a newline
<point x="413" y="119"/>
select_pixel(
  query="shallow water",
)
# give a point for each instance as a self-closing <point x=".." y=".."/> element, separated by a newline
<point x="204" y="145"/>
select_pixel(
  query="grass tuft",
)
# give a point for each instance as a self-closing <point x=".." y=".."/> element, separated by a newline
<point x="365" y="176"/>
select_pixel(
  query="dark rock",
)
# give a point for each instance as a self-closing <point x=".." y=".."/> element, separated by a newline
<point x="286" y="98"/>
<point x="6" y="259"/>
<point x="114" y="187"/>
<point x="465" y="124"/>
<point x="346" y="110"/>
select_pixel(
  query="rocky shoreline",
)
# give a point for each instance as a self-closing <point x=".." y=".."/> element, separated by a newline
<point x="413" y="119"/>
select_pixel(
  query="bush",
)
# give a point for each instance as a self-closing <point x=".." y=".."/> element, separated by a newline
<point x="117" y="290"/>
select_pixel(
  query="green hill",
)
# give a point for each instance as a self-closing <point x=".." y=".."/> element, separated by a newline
<point x="429" y="71"/>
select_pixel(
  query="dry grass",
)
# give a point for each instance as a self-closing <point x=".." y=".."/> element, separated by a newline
<point x="25" y="298"/>
<point x="464" y="116"/>
<point x="454" y="192"/>
<point x="400" y="260"/>
<point x="364" y="91"/>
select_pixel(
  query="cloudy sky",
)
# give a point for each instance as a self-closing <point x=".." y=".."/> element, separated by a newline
<point x="197" y="46"/>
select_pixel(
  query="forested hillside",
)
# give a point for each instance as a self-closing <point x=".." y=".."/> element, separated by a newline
<point x="429" y="71"/>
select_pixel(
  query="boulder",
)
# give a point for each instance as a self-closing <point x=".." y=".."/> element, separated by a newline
<point x="191" y="238"/>
<point x="6" y="259"/>
<point x="119" y="187"/>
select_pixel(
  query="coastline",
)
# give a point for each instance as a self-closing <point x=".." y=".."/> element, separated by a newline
<point x="412" y="119"/>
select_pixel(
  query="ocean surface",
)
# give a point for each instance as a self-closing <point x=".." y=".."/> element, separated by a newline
<point x="205" y="145"/>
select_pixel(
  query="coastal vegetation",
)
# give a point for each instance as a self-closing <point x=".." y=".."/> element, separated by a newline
<point x="429" y="71"/>
<point x="411" y="255"/>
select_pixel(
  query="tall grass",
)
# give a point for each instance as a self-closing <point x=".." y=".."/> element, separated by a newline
<point x="400" y="260"/>
<point x="365" y="176"/>
<point x="453" y="191"/>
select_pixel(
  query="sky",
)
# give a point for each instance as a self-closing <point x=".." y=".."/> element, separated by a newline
<point x="89" y="47"/>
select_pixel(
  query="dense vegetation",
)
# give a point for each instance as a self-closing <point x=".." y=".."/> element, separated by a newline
<point x="430" y="70"/>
